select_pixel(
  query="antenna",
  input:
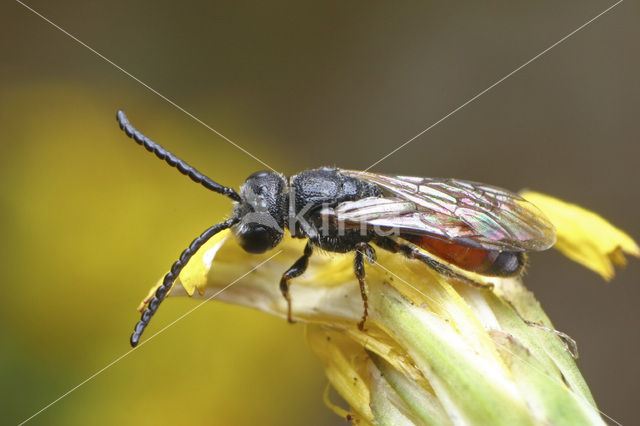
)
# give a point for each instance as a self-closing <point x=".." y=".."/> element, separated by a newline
<point x="172" y="160"/>
<point x="171" y="276"/>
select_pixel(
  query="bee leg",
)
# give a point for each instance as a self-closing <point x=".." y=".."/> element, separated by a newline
<point x="362" y="250"/>
<point x="569" y="343"/>
<point x="296" y="270"/>
<point x="411" y="252"/>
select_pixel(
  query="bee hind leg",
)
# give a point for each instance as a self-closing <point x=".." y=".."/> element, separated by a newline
<point x="568" y="342"/>
<point x="412" y="252"/>
<point x="295" y="270"/>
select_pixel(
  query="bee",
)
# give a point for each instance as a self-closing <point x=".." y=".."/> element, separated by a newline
<point x="464" y="230"/>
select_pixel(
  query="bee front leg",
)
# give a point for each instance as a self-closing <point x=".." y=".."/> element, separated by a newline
<point x="362" y="250"/>
<point x="296" y="270"/>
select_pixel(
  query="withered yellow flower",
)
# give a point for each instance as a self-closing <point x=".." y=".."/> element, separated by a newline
<point x="434" y="351"/>
<point x="584" y="236"/>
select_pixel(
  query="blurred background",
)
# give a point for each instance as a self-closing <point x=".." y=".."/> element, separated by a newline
<point x="90" y="221"/>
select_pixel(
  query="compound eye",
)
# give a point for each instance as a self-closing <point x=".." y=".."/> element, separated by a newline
<point x="258" y="239"/>
<point x="260" y="174"/>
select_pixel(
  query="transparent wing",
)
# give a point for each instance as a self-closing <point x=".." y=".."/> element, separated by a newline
<point x="462" y="212"/>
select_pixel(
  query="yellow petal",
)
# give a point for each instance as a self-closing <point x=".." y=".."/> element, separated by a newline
<point x="584" y="236"/>
<point x="194" y="274"/>
<point x="345" y="364"/>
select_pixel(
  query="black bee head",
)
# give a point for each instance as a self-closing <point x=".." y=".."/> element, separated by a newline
<point x="261" y="211"/>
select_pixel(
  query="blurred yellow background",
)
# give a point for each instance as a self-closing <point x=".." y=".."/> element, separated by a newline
<point x="90" y="220"/>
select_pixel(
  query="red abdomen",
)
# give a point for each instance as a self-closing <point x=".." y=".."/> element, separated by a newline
<point x="481" y="261"/>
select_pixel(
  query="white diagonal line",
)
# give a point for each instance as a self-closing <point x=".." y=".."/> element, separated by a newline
<point x="263" y="163"/>
<point x="145" y="341"/>
<point x="506" y="349"/>
<point x="495" y="84"/>
<point x="145" y="85"/>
